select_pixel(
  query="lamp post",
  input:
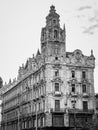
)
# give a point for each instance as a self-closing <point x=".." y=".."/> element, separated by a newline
<point x="74" y="102"/>
<point x="36" y="115"/>
<point x="18" y="120"/>
<point x="74" y="115"/>
<point x="66" y="109"/>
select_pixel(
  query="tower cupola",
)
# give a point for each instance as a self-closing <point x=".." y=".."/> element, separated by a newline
<point x="53" y="18"/>
<point x="52" y="35"/>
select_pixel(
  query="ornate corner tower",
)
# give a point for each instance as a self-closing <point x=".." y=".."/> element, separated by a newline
<point x="53" y="36"/>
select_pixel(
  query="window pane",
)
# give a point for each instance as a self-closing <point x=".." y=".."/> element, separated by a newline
<point x="57" y="105"/>
<point x="56" y="73"/>
<point x="56" y="86"/>
<point x="83" y="75"/>
<point x="55" y="34"/>
<point x="43" y="104"/>
<point x="85" y="106"/>
<point x="73" y="74"/>
<point x="84" y="88"/>
<point x="73" y="88"/>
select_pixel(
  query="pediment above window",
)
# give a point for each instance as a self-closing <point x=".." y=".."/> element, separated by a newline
<point x="57" y="79"/>
<point x="78" y="54"/>
<point x="85" y="81"/>
<point x="72" y="81"/>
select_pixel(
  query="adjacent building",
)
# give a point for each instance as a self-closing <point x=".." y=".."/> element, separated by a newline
<point x="1" y="84"/>
<point x="54" y="89"/>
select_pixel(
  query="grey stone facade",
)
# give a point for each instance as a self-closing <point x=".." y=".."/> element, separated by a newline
<point x="55" y="88"/>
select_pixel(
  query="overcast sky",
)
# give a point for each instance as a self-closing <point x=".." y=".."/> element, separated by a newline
<point x="20" y="29"/>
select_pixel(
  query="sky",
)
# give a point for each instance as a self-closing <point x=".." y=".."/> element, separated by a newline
<point x="21" y="22"/>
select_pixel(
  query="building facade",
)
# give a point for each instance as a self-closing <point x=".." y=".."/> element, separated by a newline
<point x="1" y="84"/>
<point x="96" y="113"/>
<point x="54" y="89"/>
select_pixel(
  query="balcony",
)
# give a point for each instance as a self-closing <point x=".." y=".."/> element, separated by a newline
<point x="74" y="94"/>
<point x="85" y="95"/>
<point x="80" y="111"/>
<point x="38" y="112"/>
<point x="61" y="110"/>
<point x="58" y="93"/>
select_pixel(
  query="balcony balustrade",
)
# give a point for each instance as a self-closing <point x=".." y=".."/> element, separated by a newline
<point x="80" y="111"/>
<point x="57" y="93"/>
<point x="59" y="110"/>
<point x="85" y="95"/>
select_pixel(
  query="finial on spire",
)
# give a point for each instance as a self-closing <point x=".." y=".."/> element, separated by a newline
<point x="1" y="82"/>
<point x="91" y="52"/>
<point x="52" y="9"/>
<point x="33" y="55"/>
<point x="22" y="65"/>
<point x="38" y="52"/>
<point x="10" y="81"/>
<point x="64" y="26"/>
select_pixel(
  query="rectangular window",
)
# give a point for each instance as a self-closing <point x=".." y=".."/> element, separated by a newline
<point x="43" y="104"/>
<point x="83" y="74"/>
<point x="39" y="106"/>
<point x="73" y="88"/>
<point x="57" y="105"/>
<point x="56" y="86"/>
<point x="56" y="73"/>
<point x="73" y="74"/>
<point x="84" y="88"/>
<point x="85" y="105"/>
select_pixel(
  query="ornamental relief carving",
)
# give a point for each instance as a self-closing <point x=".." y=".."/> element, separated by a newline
<point x="90" y="62"/>
<point x="57" y="79"/>
<point x="78" y="59"/>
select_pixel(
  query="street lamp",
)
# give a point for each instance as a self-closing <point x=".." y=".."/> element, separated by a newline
<point x="36" y="115"/>
<point x="18" y="120"/>
<point x="74" y="102"/>
<point x="66" y="110"/>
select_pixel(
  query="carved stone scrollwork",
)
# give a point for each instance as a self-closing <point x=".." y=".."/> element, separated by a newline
<point x="57" y="66"/>
<point x="78" y="56"/>
<point x="57" y="80"/>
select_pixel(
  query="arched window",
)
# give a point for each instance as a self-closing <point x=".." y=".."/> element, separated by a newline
<point x="73" y="88"/>
<point x="84" y="88"/>
<point x="57" y="87"/>
<point x="55" y="34"/>
<point x="54" y="21"/>
<point x="73" y="74"/>
<point x="83" y="74"/>
<point x="57" y="73"/>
